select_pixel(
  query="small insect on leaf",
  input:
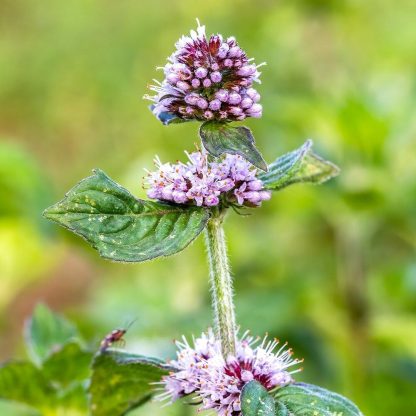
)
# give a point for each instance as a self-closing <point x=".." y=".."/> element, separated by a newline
<point x="114" y="336"/>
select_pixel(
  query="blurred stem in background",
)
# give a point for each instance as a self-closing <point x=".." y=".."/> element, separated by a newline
<point x="352" y="273"/>
<point x="221" y="283"/>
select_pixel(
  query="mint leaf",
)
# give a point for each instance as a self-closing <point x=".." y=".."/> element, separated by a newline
<point x="68" y="365"/>
<point x="301" y="399"/>
<point x="122" y="381"/>
<point x="24" y="383"/>
<point x="47" y="332"/>
<point x="122" y="227"/>
<point x="301" y="165"/>
<point x="219" y="137"/>
<point x="256" y="401"/>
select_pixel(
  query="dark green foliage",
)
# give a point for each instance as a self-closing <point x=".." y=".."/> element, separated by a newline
<point x="302" y="399"/>
<point x="256" y="401"/>
<point x="219" y="138"/>
<point x="61" y="368"/>
<point x="122" y="381"/>
<point x="25" y="383"/>
<point x="46" y="332"/>
<point x="122" y="227"/>
<point x="301" y="165"/>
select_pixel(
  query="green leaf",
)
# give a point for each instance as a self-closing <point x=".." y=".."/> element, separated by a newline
<point x="122" y="227"/>
<point x="122" y="381"/>
<point x="24" y="383"/>
<point x="47" y="332"/>
<point x="68" y="365"/>
<point x="256" y="401"/>
<point x="302" y="399"/>
<point x="10" y="408"/>
<point x="219" y="137"/>
<point x="301" y="165"/>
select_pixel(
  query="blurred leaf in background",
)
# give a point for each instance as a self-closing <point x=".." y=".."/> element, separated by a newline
<point x="330" y="269"/>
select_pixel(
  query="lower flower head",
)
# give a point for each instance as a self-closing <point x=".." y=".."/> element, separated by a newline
<point x="217" y="382"/>
<point x="203" y="183"/>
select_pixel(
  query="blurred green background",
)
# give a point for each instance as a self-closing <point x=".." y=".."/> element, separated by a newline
<point x="330" y="269"/>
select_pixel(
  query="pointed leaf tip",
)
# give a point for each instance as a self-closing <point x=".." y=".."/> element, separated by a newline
<point x="220" y="137"/>
<point x="300" y="165"/>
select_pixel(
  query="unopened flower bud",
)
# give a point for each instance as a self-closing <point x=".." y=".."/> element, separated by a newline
<point x="202" y="103"/>
<point x="222" y="95"/>
<point x="251" y="92"/>
<point x="182" y="85"/>
<point x="255" y="185"/>
<point x="167" y="193"/>
<point x="265" y="195"/>
<point x="208" y="114"/>
<point x="206" y="82"/>
<point x="216" y="76"/>
<point x="234" y="52"/>
<point x="255" y="110"/>
<point x="228" y="63"/>
<point x="247" y="70"/>
<point x="172" y="78"/>
<point x="234" y="98"/>
<point x="195" y="82"/>
<point x="191" y="98"/>
<point x="189" y="110"/>
<point x="235" y="111"/>
<point x="222" y="51"/>
<point x="246" y="102"/>
<point x="211" y="200"/>
<point x="201" y="72"/>
<point x="215" y="105"/>
<point x="179" y="197"/>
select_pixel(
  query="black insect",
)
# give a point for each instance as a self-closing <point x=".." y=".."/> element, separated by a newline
<point x="115" y="336"/>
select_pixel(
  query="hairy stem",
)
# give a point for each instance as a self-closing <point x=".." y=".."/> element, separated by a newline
<point x="221" y="284"/>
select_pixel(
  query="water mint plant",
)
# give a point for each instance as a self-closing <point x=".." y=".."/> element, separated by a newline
<point x="210" y="81"/>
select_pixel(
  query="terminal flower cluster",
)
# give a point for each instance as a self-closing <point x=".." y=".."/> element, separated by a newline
<point x="207" y="79"/>
<point x="231" y="179"/>
<point x="201" y="369"/>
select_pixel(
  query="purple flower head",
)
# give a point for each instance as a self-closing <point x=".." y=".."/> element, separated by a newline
<point x="211" y="68"/>
<point x="202" y="370"/>
<point x="231" y="179"/>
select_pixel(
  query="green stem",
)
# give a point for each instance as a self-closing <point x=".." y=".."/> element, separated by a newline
<point x="221" y="284"/>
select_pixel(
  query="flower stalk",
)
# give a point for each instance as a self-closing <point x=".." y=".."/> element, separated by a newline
<point x="221" y="284"/>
